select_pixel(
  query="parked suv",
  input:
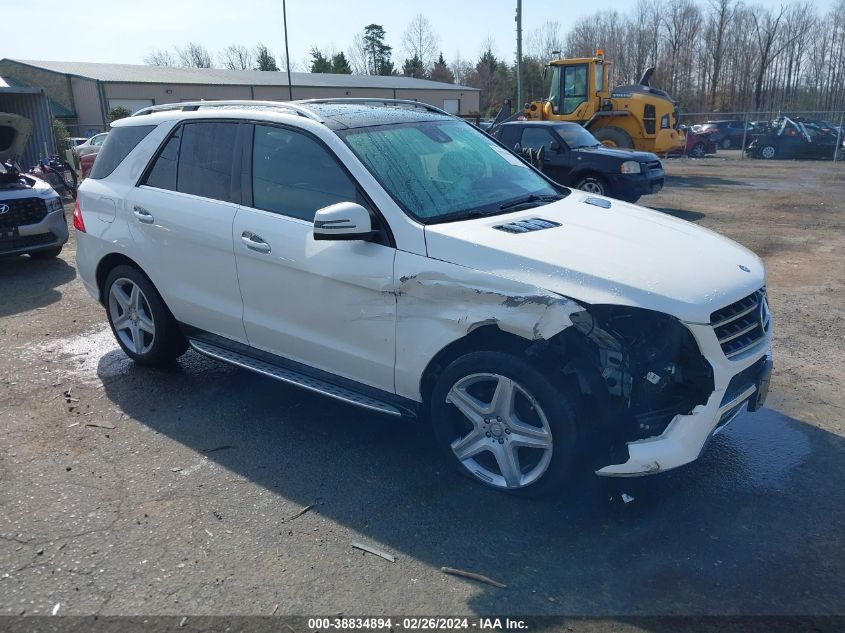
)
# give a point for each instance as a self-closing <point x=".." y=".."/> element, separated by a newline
<point x="32" y="218"/>
<point x="396" y="258"/>
<point x="574" y="157"/>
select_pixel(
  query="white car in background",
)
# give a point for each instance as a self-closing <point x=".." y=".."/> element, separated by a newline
<point x="91" y="146"/>
<point x="396" y="258"/>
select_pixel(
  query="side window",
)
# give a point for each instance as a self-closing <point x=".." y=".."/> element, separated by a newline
<point x="120" y="142"/>
<point x="294" y="175"/>
<point x="537" y="137"/>
<point x="163" y="172"/>
<point x="98" y="140"/>
<point x="206" y="159"/>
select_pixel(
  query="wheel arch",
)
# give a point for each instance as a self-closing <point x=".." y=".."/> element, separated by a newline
<point x="109" y="263"/>
<point x="487" y="338"/>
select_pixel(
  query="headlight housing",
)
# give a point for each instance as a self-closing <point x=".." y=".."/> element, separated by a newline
<point x="631" y="167"/>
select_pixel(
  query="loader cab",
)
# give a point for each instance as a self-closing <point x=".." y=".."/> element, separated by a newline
<point x="577" y="85"/>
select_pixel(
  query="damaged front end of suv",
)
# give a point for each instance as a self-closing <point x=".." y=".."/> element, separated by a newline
<point x="652" y="397"/>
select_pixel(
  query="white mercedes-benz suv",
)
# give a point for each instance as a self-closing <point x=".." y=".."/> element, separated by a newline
<point x="399" y="259"/>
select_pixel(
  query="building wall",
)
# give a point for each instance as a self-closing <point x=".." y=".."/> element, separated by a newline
<point x="189" y="92"/>
<point x="56" y="85"/>
<point x="89" y="111"/>
<point x="36" y="108"/>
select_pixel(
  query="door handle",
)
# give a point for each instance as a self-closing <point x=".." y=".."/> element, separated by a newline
<point x="254" y="242"/>
<point x="143" y="215"/>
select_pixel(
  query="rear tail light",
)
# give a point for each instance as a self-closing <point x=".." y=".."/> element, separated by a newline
<point x="78" y="222"/>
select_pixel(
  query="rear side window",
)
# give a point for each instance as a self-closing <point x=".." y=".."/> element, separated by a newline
<point x="295" y="175"/>
<point x="198" y="158"/>
<point x="206" y="159"/>
<point x="119" y="142"/>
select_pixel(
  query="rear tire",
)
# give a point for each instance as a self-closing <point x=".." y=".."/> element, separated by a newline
<point x="140" y="321"/>
<point x="726" y="143"/>
<point x="51" y="253"/>
<point x="500" y="422"/>
<point x="614" y="137"/>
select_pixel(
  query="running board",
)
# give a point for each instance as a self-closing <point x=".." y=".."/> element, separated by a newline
<point x="292" y="377"/>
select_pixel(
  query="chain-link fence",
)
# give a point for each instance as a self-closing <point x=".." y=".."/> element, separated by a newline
<point x="818" y="134"/>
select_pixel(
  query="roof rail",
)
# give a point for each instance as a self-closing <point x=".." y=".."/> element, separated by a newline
<point x="378" y="101"/>
<point x="188" y="106"/>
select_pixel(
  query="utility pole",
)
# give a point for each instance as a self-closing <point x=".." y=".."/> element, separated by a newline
<point x="519" y="54"/>
<point x="287" y="52"/>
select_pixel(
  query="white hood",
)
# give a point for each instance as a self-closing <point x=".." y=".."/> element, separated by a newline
<point x="624" y="255"/>
<point x="14" y="133"/>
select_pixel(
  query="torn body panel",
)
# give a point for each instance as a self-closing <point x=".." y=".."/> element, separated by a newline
<point x="439" y="303"/>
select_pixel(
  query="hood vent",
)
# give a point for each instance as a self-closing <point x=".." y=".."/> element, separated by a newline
<point x="527" y="226"/>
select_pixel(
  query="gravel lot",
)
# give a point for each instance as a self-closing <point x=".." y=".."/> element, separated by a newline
<point x="136" y="491"/>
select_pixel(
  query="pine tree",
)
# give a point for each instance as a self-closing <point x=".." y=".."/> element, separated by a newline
<point x="441" y="72"/>
<point x="340" y="65"/>
<point x="319" y="62"/>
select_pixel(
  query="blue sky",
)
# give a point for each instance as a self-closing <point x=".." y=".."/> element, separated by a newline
<point x="109" y="31"/>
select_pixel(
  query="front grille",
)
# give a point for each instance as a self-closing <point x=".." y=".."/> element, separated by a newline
<point x="741" y="325"/>
<point x="22" y="211"/>
<point x="26" y="241"/>
<point x="654" y="165"/>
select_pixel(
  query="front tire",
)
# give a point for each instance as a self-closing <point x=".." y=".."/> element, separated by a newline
<point x="698" y="151"/>
<point x="139" y="319"/>
<point x="500" y="422"/>
<point x="768" y="152"/>
<point x="726" y="143"/>
<point x="593" y="184"/>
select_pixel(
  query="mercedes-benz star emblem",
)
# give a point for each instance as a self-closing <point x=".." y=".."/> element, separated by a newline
<point x="745" y="268"/>
<point x="4" y="209"/>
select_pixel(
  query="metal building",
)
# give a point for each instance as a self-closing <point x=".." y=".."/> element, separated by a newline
<point x="89" y="90"/>
<point x="33" y="104"/>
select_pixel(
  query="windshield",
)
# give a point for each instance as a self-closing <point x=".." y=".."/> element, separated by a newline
<point x="577" y="136"/>
<point x="446" y="170"/>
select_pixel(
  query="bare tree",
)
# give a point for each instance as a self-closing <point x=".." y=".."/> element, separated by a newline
<point x="720" y="14"/>
<point x="543" y="41"/>
<point x="358" y="55"/>
<point x="419" y="40"/>
<point x="194" y="55"/>
<point x="766" y="30"/>
<point x="161" y="57"/>
<point x="236" y="57"/>
<point x="461" y="69"/>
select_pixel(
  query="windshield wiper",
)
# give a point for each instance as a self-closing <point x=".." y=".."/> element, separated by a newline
<point x="530" y="200"/>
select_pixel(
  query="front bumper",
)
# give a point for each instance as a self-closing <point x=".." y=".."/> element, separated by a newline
<point x="630" y="185"/>
<point x="49" y="233"/>
<point x="686" y="435"/>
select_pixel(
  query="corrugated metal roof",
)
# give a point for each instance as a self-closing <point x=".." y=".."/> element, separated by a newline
<point x="134" y="73"/>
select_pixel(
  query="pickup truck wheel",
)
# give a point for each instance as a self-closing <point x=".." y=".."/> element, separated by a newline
<point x="501" y="422"/>
<point x="141" y="323"/>
<point x="593" y="184"/>
<point x="768" y="152"/>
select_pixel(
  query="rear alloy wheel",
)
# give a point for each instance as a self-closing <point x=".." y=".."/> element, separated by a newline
<point x="142" y="324"/>
<point x="768" y="152"/>
<point x="698" y="151"/>
<point x="726" y="143"/>
<point x="592" y="184"/>
<point x="501" y="422"/>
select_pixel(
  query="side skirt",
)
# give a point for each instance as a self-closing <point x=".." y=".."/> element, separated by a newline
<point x="300" y="375"/>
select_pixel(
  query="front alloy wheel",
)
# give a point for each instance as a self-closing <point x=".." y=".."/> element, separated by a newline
<point x="131" y="316"/>
<point x="768" y="152"/>
<point x="507" y="443"/>
<point x="500" y="421"/>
